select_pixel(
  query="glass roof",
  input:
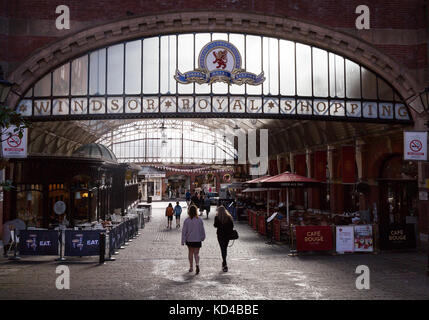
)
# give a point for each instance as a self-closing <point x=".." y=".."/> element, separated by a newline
<point x="169" y="141"/>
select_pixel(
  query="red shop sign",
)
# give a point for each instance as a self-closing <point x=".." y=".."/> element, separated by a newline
<point x="313" y="238"/>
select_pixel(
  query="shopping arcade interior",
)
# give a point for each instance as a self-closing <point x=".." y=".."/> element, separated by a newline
<point x="73" y="80"/>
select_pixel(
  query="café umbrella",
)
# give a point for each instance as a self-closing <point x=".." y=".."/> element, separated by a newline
<point x="255" y="184"/>
<point x="284" y="180"/>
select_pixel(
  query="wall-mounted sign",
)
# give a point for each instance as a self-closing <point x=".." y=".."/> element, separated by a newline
<point x="415" y="146"/>
<point x="397" y="237"/>
<point x="219" y="61"/>
<point x="14" y="146"/>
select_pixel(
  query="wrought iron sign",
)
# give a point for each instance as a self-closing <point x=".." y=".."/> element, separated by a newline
<point x="233" y="76"/>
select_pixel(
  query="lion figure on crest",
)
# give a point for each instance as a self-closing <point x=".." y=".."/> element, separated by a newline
<point x="220" y="58"/>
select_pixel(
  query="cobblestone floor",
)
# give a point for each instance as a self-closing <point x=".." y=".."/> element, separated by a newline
<point x="154" y="266"/>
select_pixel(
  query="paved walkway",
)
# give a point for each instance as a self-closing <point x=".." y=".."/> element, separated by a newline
<point x="154" y="266"/>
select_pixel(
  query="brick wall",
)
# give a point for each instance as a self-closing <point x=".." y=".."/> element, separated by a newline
<point x="27" y="25"/>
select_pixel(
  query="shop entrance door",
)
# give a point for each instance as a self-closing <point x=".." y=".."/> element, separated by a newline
<point x="398" y="199"/>
<point x="150" y="189"/>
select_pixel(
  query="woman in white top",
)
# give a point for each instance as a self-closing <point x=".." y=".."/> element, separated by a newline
<point x="193" y="234"/>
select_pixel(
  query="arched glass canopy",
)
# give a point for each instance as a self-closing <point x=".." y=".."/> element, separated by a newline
<point x="169" y="141"/>
<point x="136" y="79"/>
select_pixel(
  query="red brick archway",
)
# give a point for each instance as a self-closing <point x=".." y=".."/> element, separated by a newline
<point x="53" y="55"/>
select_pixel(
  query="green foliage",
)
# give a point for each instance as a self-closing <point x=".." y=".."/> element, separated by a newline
<point x="9" y="118"/>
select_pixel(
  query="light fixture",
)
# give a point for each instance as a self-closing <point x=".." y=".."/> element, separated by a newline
<point x="77" y="196"/>
<point x="420" y="103"/>
<point x="5" y="87"/>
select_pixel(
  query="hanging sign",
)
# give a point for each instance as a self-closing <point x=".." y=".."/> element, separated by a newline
<point x="363" y="238"/>
<point x="415" y="145"/>
<point x="313" y="238"/>
<point x="14" y="146"/>
<point x="345" y="239"/>
<point x="38" y="242"/>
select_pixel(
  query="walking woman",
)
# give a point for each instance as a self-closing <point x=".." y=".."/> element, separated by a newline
<point x="193" y="234"/>
<point x="224" y="224"/>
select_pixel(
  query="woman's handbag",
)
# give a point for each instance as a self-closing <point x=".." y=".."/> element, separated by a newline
<point x="234" y="235"/>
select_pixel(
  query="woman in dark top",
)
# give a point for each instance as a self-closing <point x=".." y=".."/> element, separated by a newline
<point x="224" y="224"/>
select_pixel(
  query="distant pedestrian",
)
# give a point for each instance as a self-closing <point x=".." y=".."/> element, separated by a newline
<point x="177" y="213"/>
<point x="224" y="224"/>
<point x="201" y="203"/>
<point x="207" y="205"/>
<point x="188" y="198"/>
<point x="193" y="234"/>
<point x="195" y="200"/>
<point x="169" y="214"/>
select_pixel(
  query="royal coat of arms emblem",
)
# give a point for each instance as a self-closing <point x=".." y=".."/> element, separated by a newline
<point x="219" y="61"/>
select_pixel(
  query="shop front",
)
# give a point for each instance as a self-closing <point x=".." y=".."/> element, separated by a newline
<point x="151" y="181"/>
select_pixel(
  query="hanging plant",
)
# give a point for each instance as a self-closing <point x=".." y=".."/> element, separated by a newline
<point x="209" y="176"/>
<point x="227" y="177"/>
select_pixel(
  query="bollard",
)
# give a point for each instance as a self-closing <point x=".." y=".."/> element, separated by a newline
<point x="292" y="250"/>
<point x="110" y="258"/>
<point x="102" y="243"/>
<point x="60" y="238"/>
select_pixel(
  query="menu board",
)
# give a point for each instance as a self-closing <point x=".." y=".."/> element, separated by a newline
<point x="345" y="239"/>
<point x="363" y="238"/>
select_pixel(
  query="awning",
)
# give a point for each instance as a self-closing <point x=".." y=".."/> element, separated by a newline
<point x="260" y="189"/>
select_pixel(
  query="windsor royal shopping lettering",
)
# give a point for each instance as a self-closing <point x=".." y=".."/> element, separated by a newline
<point x="215" y="104"/>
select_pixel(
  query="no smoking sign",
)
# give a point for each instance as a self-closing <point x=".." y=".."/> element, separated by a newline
<point x="14" y="146"/>
<point x="14" y="141"/>
<point x="415" y="146"/>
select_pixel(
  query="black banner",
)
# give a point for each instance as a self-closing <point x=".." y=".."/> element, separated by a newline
<point x="38" y="242"/>
<point x="112" y="240"/>
<point x="396" y="236"/>
<point x="82" y="243"/>
<point x="121" y="232"/>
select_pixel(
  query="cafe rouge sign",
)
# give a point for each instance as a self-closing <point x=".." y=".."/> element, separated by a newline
<point x="218" y="61"/>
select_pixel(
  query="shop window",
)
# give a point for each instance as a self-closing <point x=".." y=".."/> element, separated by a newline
<point x="29" y="205"/>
